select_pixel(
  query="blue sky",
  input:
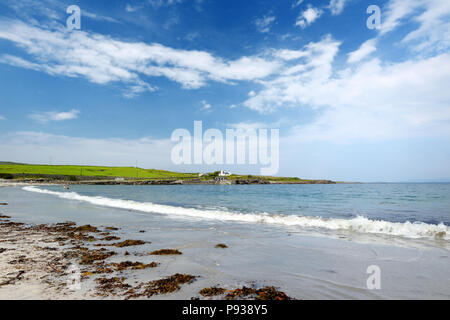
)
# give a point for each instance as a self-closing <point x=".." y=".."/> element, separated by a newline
<point x="351" y="103"/>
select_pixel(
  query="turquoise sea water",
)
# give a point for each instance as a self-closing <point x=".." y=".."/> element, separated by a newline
<point x="429" y="203"/>
<point x="312" y="241"/>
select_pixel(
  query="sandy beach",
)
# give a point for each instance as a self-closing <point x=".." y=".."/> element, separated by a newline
<point x="61" y="261"/>
<point x="32" y="264"/>
<point x="172" y="242"/>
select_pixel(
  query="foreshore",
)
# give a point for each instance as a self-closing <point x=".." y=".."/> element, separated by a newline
<point x="66" y="261"/>
<point x="160" y="182"/>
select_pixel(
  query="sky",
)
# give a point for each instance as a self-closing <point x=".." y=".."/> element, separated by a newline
<point x="351" y="103"/>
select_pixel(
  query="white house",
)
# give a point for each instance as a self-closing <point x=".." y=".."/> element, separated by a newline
<point x="224" y="173"/>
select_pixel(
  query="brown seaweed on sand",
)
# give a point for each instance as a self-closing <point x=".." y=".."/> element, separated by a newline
<point x="163" y="286"/>
<point x="89" y="256"/>
<point x="110" y="238"/>
<point x="111" y="285"/>
<point x="166" y="252"/>
<point x="128" y="243"/>
<point x="132" y="265"/>
<point x="212" y="291"/>
<point x="111" y="228"/>
<point x="86" y="228"/>
<point x="221" y="245"/>
<point x="266" y="293"/>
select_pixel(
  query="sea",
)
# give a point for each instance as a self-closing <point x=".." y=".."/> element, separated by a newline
<point x="337" y="241"/>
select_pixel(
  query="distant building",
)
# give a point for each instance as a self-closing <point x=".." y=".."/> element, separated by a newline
<point x="224" y="173"/>
<point x="119" y="179"/>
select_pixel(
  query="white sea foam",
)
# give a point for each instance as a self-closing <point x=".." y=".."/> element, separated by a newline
<point x="358" y="224"/>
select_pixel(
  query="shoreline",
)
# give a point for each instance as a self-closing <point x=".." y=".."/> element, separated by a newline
<point x="66" y="261"/>
<point x="6" y="183"/>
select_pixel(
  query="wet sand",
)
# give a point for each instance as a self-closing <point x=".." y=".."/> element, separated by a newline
<point x="66" y="261"/>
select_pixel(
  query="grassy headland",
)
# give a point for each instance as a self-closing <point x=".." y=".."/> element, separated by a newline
<point x="80" y="174"/>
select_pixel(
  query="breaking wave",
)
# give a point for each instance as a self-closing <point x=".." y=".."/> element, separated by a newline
<point x="358" y="224"/>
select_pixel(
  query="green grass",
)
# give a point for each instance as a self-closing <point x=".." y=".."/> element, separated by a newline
<point x="126" y="172"/>
<point x="32" y="171"/>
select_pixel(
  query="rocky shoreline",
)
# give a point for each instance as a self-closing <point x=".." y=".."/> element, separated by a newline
<point x="66" y="261"/>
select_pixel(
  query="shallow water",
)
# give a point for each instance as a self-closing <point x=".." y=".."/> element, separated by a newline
<point x="312" y="241"/>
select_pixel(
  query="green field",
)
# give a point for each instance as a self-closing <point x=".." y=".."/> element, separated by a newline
<point x="126" y="172"/>
<point x="73" y="173"/>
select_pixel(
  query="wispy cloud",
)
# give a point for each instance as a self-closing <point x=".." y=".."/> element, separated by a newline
<point x="50" y="11"/>
<point x="263" y="24"/>
<point x="363" y="51"/>
<point x="131" y="8"/>
<point x="102" y="60"/>
<point x="368" y="100"/>
<point x="337" y="6"/>
<point x="2" y="117"/>
<point x="296" y="3"/>
<point x="308" y="16"/>
<point x="45" y="117"/>
<point x="205" y="106"/>
<point x="163" y="3"/>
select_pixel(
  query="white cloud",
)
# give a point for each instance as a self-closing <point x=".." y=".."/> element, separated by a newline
<point x="432" y="16"/>
<point x="163" y="3"/>
<point x="434" y="30"/>
<point x="131" y="8"/>
<point x="98" y="17"/>
<point x="248" y="125"/>
<point x="35" y="147"/>
<point x="263" y="24"/>
<point x="308" y="16"/>
<point x="296" y="3"/>
<point x="205" y="106"/>
<point x="363" y="51"/>
<point x="372" y="100"/>
<point x="337" y="6"/>
<point x="102" y="60"/>
<point x="49" y="11"/>
<point x="45" y="117"/>
<point x="286" y="54"/>
<point x="312" y="65"/>
<point x="396" y="11"/>
<point x="2" y="117"/>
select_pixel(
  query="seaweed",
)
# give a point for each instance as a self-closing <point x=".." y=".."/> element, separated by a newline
<point x="128" y="243"/>
<point x="86" y="228"/>
<point x="111" y="228"/>
<point x="89" y="256"/>
<point x="132" y="265"/>
<point x="164" y="286"/>
<point x="212" y="291"/>
<point x="221" y="245"/>
<point x="110" y="285"/>
<point x="166" y="252"/>
<point x="266" y="293"/>
<point x="110" y="238"/>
